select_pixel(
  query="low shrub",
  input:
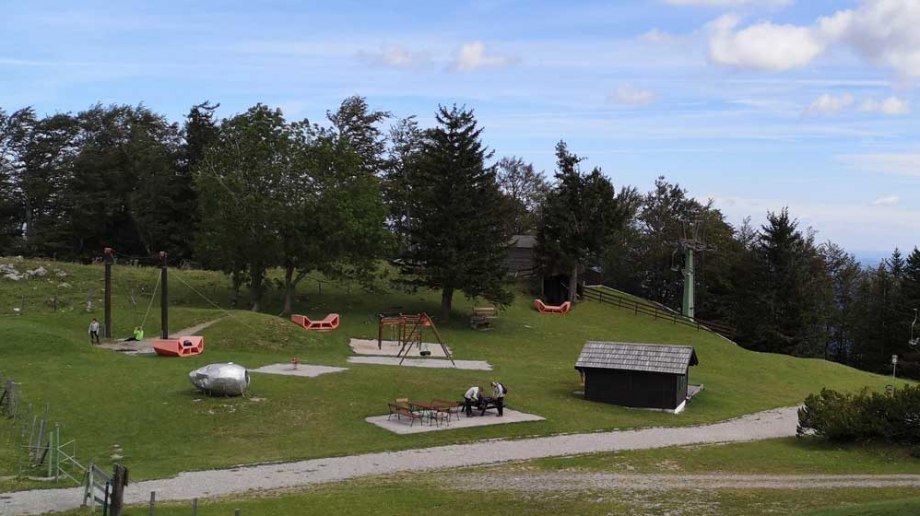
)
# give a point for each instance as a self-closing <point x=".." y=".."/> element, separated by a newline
<point x="864" y="416"/>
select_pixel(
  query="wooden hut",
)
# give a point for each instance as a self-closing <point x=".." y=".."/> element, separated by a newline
<point x="637" y="375"/>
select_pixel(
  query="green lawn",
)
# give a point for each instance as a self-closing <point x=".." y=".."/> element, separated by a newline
<point x="149" y="408"/>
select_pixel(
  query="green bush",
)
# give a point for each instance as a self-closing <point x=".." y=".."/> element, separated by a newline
<point x="865" y="416"/>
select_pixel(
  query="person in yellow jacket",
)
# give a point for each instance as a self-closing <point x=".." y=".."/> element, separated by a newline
<point x="138" y="334"/>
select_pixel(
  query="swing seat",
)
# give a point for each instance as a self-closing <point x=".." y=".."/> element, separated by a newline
<point x="329" y="323"/>
<point x="544" y="308"/>
<point x="184" y="346"/>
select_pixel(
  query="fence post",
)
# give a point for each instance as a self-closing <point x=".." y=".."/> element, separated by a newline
<point x="194" y="507"/>
<point x="153" y="499"/>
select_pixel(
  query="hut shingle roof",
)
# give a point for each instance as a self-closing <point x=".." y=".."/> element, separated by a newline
<point x="656" y="358"/>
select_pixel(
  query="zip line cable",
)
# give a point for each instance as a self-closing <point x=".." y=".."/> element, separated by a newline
<point x="215" y="305"/>
<point x="153" y="296"/>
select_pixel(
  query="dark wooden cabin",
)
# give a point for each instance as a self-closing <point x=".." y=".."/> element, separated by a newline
<point x="636" y="375"/>
<point x="521" y="261"/>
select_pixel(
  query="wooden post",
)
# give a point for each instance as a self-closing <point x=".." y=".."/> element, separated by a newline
<point x="194" y="507"/>
<point x="153" y="500"/>
<point x="108" y="259"/>
<point x="119" y="481"/>
<point x="164" y="299"/>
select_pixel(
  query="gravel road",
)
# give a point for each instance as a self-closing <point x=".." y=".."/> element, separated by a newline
<point x="203" y="484"/>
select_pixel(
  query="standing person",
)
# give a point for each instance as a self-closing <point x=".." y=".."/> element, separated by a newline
<point x="94" y="332"/>
<point x="498" y="392"/>
<point x="472" y="395"/>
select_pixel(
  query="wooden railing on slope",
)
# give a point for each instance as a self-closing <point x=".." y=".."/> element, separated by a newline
<point x="622" y="300"/>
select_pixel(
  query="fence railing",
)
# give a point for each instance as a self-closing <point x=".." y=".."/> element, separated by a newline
<point x="621" y="300"/>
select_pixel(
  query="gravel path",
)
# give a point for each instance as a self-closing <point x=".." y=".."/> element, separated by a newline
<point x="202" y="484"/>
<point x="574" y="482"/>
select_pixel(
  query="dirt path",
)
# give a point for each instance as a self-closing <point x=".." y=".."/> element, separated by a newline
<point x="146" y="346"/>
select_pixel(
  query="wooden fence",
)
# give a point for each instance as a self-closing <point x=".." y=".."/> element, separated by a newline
<point x="622" y="300"/>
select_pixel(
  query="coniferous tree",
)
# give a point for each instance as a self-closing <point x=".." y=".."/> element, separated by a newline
<point x="457" y="229"/>
<point x="580" y="217"/>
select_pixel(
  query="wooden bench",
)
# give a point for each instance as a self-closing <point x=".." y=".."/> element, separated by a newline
<point x="482" y="317"/>
<point x="401" y="410"/>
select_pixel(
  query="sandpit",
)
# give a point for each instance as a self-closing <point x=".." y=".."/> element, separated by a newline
<point x="401" y="426"/>
<point x="390" y="348"/>
<point x="310" y="371"/>
<point x="435" y="363"/>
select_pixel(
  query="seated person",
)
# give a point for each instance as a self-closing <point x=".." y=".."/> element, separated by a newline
<point x="473" y="396"/>
<point x="138" y="334"/>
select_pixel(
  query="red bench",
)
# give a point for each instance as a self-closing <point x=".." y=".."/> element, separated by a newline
<point x="329" y="323"/>
<point x="185" y="346"/>
<point x="544" y="308"/>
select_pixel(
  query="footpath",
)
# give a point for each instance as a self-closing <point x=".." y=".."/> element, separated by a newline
<point x="225" y="482"/>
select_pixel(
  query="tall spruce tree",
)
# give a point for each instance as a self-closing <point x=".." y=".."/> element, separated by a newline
<point x="580" y="218"/>
<point x="458" y="230"/>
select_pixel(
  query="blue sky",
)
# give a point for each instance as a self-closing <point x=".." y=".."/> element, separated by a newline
<point x="757" y="104"/>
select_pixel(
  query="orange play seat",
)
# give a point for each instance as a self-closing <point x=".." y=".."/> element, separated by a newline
<point x="330" y="322"/>
<point x="544" y="308"/>
<point x="185" y="346"/>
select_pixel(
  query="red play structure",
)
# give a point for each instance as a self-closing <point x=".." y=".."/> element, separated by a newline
<point x="329" y="323"/>
<point x="544" y="308"/>
<point x="180" y="346"/>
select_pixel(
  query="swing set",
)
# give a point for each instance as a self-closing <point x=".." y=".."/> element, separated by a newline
<point x="407" y="330"/>
<point x="182" y="346"/>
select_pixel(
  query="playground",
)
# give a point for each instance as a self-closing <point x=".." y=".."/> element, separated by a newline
<point x="161" y="425"/>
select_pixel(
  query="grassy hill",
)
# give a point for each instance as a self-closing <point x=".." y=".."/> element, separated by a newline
<point x="147" y="406"/>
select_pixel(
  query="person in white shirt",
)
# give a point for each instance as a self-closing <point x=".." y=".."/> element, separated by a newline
<point x="498" y="393"/>
<point x="472" y="396"/>
<point x="94" y="332"/>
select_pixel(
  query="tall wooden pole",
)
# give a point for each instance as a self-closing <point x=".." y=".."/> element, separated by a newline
<point x="108" y="259"/>
<point x="164" y="298"/>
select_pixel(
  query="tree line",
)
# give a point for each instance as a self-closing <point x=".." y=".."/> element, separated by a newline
<point x="256" y="191"/>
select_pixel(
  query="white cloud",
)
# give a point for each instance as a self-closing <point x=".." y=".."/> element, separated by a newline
<point x="729" y="3"/>
<point x="900" y="164"/>
<point x="762" y="46"/>
<point x="827" y="104"/>
<point x="885" y="32"/>
<point x="888" y="200"/>
<point x="395" y="56"/>
<point x="632" y="96"/>
<point x="889" y="106"/>
<point x="472" y="56"/>
<point x="657" y="36"/>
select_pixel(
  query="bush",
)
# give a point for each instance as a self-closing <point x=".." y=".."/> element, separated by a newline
<point x="865" y="416"/>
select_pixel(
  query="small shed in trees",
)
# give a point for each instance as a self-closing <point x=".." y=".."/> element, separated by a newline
<point x="520" y="260"/>
<point x="637" y="375"/>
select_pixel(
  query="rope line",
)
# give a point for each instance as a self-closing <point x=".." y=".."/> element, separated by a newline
<point x="215" y="305"/>
<point x="153" y="295"/>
